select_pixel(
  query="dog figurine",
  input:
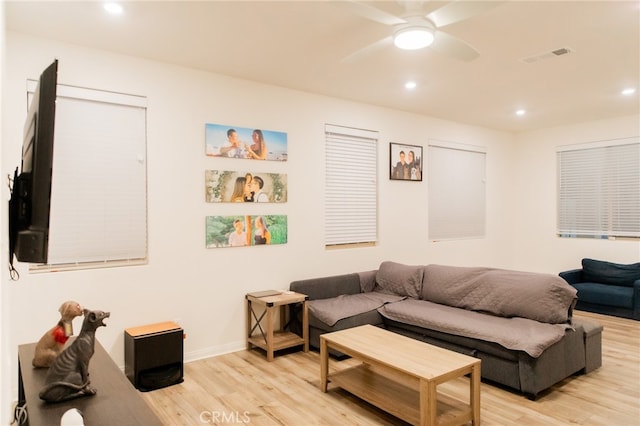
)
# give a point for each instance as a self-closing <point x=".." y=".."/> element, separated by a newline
<point x="68" y="376"/>
<point x="51" y="344"/>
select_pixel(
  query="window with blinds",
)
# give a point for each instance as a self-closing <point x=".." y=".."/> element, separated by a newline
<point x="350" y="186"/>
<point x="98" y="212"/>
<point x="599" y="189"/>
<point x="457" y="193"/>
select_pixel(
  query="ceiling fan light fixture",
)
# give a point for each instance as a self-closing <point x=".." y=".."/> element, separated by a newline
<point x="413" y="38"/>
<point x="113" y="8"/>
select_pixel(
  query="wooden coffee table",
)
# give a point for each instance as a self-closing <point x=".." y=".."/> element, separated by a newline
<point x="400" y="375"/>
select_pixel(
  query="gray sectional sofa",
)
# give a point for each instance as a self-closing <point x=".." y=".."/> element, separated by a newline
<point x="518" y="323"/>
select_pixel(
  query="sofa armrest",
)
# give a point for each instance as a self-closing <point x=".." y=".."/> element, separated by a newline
<point x="327" y="287"/>
<point x="636" y="299"/>
<point x="572" y="276"/>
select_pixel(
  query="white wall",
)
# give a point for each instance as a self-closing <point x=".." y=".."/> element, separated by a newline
<point x="535" y="245"/>
<point x="6" y="366"/>
<point x="203" y="288"/>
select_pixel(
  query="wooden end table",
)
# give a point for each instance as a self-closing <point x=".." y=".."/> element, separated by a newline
<point x="269" y="337"/>
<point x="400" y="375"/>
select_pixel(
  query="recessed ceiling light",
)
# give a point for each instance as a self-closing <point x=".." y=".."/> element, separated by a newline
<point x="629" y="91"/>
<point x="521" y="112"/>
<point x="113" y="8"/>
<point x="410" y="85"/>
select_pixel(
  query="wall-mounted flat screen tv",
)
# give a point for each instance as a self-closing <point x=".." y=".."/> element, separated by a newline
<point x="31" y="192"/>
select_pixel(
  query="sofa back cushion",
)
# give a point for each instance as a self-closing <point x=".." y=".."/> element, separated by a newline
<point x="540" y="297"/>
<point x="396" y="278"/>
<point x="327" y="287"/>
<point x="367" y="280"/>
<point x="599" y="271"/>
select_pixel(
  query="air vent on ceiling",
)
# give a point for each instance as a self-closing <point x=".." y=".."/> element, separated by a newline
<point x="547" y="55"/>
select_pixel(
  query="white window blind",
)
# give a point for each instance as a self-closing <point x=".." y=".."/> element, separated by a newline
<point x="99" y="190"/>
<point x="351" y="185"/>
<point x="457" y="205"/>
<point x="599" y="189"/>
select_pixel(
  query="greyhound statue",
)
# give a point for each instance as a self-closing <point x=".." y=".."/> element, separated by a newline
<point x="68" y="376"/>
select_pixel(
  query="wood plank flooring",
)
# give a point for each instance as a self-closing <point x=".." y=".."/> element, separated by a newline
<point x="243" y="388"/>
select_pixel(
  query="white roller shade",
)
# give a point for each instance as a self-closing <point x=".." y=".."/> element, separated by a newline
<point x="457" y="193"/>
<point x="99" y="188"/>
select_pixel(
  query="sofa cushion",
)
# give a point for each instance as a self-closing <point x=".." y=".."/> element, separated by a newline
<point x="462" y="344"/>
<point x="605" y="294"/>
<point x="371" y="317"/>
<point x="522" y="334"/>
<point x="396" y="278"/>
<point x="367" y="280"/>
<point x="344" y="306"/>
<point x="599" y="271"/>
<point x="326" y="287"/>
<point x="540" y="297"/>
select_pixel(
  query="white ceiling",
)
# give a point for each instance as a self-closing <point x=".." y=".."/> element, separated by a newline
<point x="302" y="45"/>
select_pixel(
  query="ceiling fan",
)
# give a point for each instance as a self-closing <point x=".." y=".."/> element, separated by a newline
<point x="415" y="30"/>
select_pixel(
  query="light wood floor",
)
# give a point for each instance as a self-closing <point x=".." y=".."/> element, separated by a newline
<point x="243" y="387"/>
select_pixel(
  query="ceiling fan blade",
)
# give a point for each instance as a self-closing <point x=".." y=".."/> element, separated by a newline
<point x="369" y="12"/>
<point x="454" y="47"/>
<point x="412" y="7"/>
<point x="368" y="50"/>
<point x="459" y="10"/>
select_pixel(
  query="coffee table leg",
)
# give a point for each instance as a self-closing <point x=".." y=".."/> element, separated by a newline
<point x="475" y="394"/>
<point x="428" y="402"/>
<point x="324" y="364"/>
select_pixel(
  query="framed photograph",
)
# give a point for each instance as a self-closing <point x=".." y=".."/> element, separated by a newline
<point x="405" y="162"/>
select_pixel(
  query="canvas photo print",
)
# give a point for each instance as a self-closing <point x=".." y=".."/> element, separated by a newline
<point x="242" y="231"/>
<point x="225" y="186"/>
<point x="243" y="142"/>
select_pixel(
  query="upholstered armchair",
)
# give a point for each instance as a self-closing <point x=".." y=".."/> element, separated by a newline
<point x="607" y="288"/>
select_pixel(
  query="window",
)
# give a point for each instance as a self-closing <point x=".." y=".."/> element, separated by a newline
<point x="351" y="186"/>
<point x="99" y="189"/>
<point x="599" y="189"/>
<point x="456" y="175"/>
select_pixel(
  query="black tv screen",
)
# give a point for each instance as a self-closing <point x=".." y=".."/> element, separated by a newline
<point x="31" y="193"/>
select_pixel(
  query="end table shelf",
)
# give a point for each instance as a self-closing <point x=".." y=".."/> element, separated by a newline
<point x="281" y="340"/>
<point x="261" y="329"/>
